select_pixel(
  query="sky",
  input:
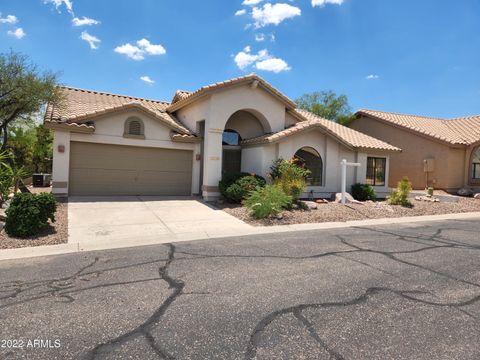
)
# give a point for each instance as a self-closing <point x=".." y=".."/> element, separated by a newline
<point x="411" y="56"/>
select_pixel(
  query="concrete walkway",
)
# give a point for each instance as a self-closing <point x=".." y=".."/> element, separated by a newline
<point x="107" y="220"/>
<point x="118" y="235"/>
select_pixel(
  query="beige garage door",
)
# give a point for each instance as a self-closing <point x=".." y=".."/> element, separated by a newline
<point x="98" y="169"/>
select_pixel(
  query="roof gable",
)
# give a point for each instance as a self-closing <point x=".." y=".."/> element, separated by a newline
<point x="184" y="98"/>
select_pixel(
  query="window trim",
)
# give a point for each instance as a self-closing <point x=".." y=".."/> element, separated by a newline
<point x="471" y="167"/>
<point x="126" y="129"/>
<point x="321" y="182"/>
<point x="374" y="181"/>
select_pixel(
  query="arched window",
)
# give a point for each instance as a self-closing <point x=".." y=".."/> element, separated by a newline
<point x="134" y="128"/>
<point x="231" y="137"/>
<point x="476" y="164"/>
<point x="311" y="160"/>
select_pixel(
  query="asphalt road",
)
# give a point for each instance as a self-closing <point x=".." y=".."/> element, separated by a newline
<point x="390" y="292"/>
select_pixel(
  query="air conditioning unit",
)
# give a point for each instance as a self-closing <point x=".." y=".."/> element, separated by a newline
<point x="41" y="180"/>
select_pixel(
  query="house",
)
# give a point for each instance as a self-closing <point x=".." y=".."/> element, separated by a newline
<point x="441" y="153"/>
<point x="107" y="144"/>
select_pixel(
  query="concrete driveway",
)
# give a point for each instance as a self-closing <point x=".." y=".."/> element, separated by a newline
<point x="116" y="220"/>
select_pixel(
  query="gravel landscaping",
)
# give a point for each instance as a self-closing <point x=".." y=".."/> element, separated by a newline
<point x="56" y="233"/>
<point x="328" y="212"/>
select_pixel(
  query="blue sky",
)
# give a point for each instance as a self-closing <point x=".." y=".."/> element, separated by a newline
<point x="411" y="56"/>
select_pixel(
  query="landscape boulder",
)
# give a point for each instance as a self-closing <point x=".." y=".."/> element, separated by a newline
<point x="349" y="199"/>
<point x="477" y="196"/>
<point x="465" y="192"/>
<point x="311" y="205"/>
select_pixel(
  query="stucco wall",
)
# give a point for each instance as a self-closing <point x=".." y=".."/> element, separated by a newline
<point x="448" y="172"/>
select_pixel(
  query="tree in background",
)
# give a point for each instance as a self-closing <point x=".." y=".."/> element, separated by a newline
<point x="328" y="105"/>
<point x="24" y="91"/>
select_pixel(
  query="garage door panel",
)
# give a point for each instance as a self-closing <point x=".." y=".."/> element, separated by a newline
<point x="100" y="169"/>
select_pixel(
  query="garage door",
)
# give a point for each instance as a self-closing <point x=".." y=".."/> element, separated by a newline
<point x="98" y="169"/>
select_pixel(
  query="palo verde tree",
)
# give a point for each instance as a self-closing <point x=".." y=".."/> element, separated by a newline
<point x="328" y="105"/>
<point x="24" y="91"/>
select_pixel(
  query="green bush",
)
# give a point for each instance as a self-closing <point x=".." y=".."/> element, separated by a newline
<point x="399" y="196"/>
<point x="29" y="213"/>
<point x="290" y="177"/>
<point x="266" y="201"/>
<point x="363" y="192"/>
<point x="235" y="188"/>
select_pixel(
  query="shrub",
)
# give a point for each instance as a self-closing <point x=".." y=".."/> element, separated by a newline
<point x="399" y="196"/>
<point x="235" y="188"/>
<point x="29" y="213"/>
<point x="266" y="201"/>
<point x="430" y="191"/>
<point x="363" y="192"/>
<point x="290" y="177"/>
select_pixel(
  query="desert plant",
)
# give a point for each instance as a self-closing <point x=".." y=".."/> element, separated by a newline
<point x="399" y="196"/>
<point x="430" y="191"/>
<point x="363" y="192"/>
<point x="28" y="214"/>
<point x="235" y="188"/>
<point x="267" y="201"/>
<point x="290" y="177"/>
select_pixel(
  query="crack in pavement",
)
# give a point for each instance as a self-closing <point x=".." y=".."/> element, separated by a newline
<point x="255" y="336"/>
<point x="144" y="329"/>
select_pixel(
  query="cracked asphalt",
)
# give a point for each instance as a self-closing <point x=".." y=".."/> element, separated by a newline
<point x="409" y="291"/>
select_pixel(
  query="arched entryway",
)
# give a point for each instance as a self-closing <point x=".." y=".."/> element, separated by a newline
<point x="309" y="158"/>
<point x="243" y="124"/>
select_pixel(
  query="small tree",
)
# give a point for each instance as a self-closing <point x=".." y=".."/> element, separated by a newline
<point x="327" y="105"/>
<point x="24" y="90"/>
<point x="399" y="196"/>
<point x="290" y="177"/>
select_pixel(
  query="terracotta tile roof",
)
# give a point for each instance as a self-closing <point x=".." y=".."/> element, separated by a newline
<point x="219" y="85"/>
<point x="468" y="128"/>
<point x="180" y="95"/>
<point x="460" y="131"/>
<point x="81" y="105"/>
<point x="351" y="138"/>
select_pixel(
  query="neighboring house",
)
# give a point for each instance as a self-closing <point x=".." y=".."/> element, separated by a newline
<point x="441" y="153"/>
<point x="108" y="144"/>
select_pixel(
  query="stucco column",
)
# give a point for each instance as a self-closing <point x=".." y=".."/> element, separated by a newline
<point x="61" y="163"/>
<point x="212" y="163"/>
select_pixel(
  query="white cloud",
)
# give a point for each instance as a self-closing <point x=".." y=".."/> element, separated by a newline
<point x="142" y="48"/>
<point x="147" y="79"/>
<point x="84" y="21"/>
<point x="58" y="3"/>
<point x="274" y="64"/>
<point x="325" y="2"/>
<point x="261" y="61"/>
<point x="274" y="14"/>
<point x="251" y="2"/>
<point x="240" y="12"/>
<point x="259" y="37"/>
<point x="372" y="77"/>
<point x="10" y="19"/>
<point x="18" y="33"/>
<point x="90" y="39"/>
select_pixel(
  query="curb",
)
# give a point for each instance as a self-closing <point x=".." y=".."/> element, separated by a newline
<point x="69" y="248"/>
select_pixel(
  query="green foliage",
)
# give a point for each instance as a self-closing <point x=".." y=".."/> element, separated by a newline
<point x="28" y="214"/>
<point x="24" y="90"/>
<point x="235" y="188"/>
<point x="399" y="196"/>
<point x="267" y="201"/>
<point x="6" y="180"/>
<point x="328" y="105"/>
<point x="290" y="177"/>
<point x="430" y="191"/>
<point x="363" y="192"/>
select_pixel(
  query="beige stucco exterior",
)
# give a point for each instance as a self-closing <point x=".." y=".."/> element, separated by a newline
<point x="248" y="109"/>
<point x="450" y="163"/>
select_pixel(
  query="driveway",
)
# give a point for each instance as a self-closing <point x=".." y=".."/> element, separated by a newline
<point x="409" y="291"/>
<point x="143" y="218"/>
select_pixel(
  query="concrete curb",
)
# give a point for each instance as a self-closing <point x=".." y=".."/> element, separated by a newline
<point x="22" y="253"/>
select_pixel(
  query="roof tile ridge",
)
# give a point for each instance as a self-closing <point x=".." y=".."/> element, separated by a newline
<point x="113" y="94"/>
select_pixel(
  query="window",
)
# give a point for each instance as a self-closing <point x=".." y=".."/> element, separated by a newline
<point x="134" y="128"/>
<point x="476" y="164"/>
<point x="376" y="171"/>
<point x="231" y="137"/>
<point x="311" y="160"/>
